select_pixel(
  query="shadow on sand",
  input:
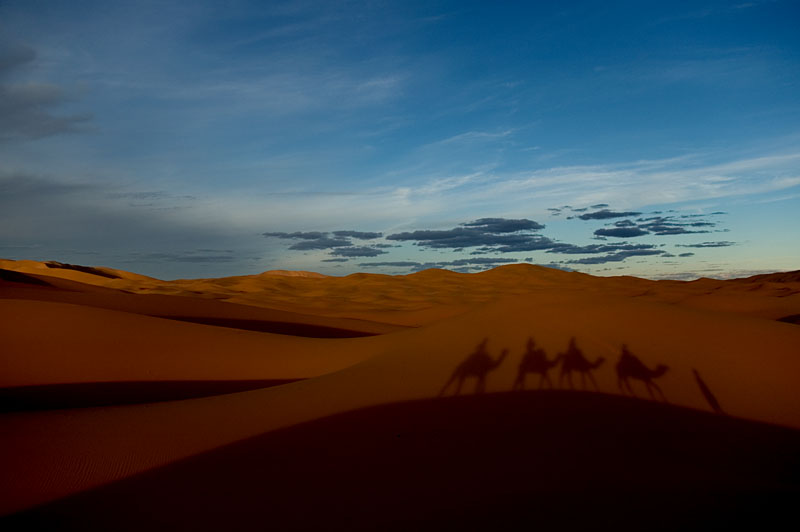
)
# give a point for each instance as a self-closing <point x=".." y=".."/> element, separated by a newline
<point x="630" y="367"/>
<point x="710" y="398"/>
<point x="549" y="460"/>
<point x="90" y="394"/>
<point x="477" y="365"/>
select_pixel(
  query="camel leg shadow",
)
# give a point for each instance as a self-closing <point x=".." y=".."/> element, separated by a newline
<point x="658" y="389"/>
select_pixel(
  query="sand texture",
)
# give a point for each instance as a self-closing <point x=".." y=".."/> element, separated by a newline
<point x="389" y="401"/>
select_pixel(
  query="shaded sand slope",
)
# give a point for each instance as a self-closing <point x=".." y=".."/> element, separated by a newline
<point x="48" y="343"/>
<point x="562" y="460"/>
<point x="750" y="363"/>
<point x="93" y="394"/>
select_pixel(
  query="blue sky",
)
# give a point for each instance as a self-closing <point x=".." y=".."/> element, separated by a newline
<point x="193" y="139"/>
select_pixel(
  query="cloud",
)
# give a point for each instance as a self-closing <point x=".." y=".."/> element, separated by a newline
<point x="605" y="214"/>
<point x="321" y="243"/>
<point x="361" y="235"/>
<point x="495" y="234"/>
<point x="309" y="235"/>
<point x="571" y="249"/>
<point x="357" y="252"/>
<point x="198" y="256"/>
<point x="341" y="244"/>
<point x="467" y="264"/>
<point x="58" y="220"/>
<point x="671" y="225"/>
<point x="720" y="244"/>
<point x="657" y="225"/>
<point x="617" y="257"/>
<point x="396" y="264"/>
<point x="13" y="55"/>
<point x="621" y="232"/>
<point x="624" y="223"/>
<point x="479" y="261"/>
<point x="504" y="225"/>
<point x="503" y="235"/>
<point x="311" y="240"/>
<point x="532" y="243"/>
<point x="335" y="260"/>
<point x="686" y="255"/>
<point x="662" y="181"/>
<point x="25" y="108"/>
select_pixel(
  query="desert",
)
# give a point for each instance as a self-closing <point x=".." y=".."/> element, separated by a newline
<point x="111" y="400"/>
<point x="413" y="265"/>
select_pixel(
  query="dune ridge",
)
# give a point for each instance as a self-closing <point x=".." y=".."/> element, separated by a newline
<point x="424" y="297"/>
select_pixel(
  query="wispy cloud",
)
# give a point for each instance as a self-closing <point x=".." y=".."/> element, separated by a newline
<point x="28" y="110"/>
<point x="660" y="182"/>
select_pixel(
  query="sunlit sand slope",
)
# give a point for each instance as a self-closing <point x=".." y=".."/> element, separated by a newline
<point x="185" y="306"/>
<point x="748" y="362"/>
<point x="48" y="343"/>
<point x="430" y="295"/>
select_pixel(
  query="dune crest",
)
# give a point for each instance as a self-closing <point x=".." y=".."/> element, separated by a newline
<point x="294" y="273"/>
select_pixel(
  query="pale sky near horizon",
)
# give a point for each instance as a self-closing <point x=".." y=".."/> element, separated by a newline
<point x="202" y="139"/>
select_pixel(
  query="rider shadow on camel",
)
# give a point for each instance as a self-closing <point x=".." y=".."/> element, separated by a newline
<point x="478" y="364"/>
<point x="572" y="360"/>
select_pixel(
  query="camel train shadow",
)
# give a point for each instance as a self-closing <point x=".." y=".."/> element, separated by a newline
<point x="480" y="363"/>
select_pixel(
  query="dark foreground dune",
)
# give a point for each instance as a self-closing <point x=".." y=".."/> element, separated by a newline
<point x="551" y="460"/>
<point x="93" y="394"/>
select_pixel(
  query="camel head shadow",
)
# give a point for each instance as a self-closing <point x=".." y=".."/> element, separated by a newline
<point x="477" y="365"/>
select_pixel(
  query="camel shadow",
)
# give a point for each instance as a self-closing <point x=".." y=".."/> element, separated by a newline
<point x="535" y="361"/>
<point x="477" y="365"/>
<point x="630" y="367"/>
<point x="573" y="360"/>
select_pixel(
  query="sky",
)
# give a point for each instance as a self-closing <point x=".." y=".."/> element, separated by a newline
<point x="206" y="139"/>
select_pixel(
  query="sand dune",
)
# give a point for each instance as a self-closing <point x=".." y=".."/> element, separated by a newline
<point x="500" y="461"/>
<point x="46" y="343"/>
<point x="17" y="285"/>
<point x="746" y="357"/>
<point x="425" y="297"/>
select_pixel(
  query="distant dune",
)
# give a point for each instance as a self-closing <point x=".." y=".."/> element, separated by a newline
<point x="290" y="273"/>
<point x="214" y="402"/>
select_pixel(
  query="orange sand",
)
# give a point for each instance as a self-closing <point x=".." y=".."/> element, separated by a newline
<point x="82" y="328"/>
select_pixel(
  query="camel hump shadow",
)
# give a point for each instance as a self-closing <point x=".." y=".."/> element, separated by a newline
<point x="630" y="367"/>
<point x="573" y="360"/>
<point x="477" y="365"/>
<point x="535" y="361"/>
